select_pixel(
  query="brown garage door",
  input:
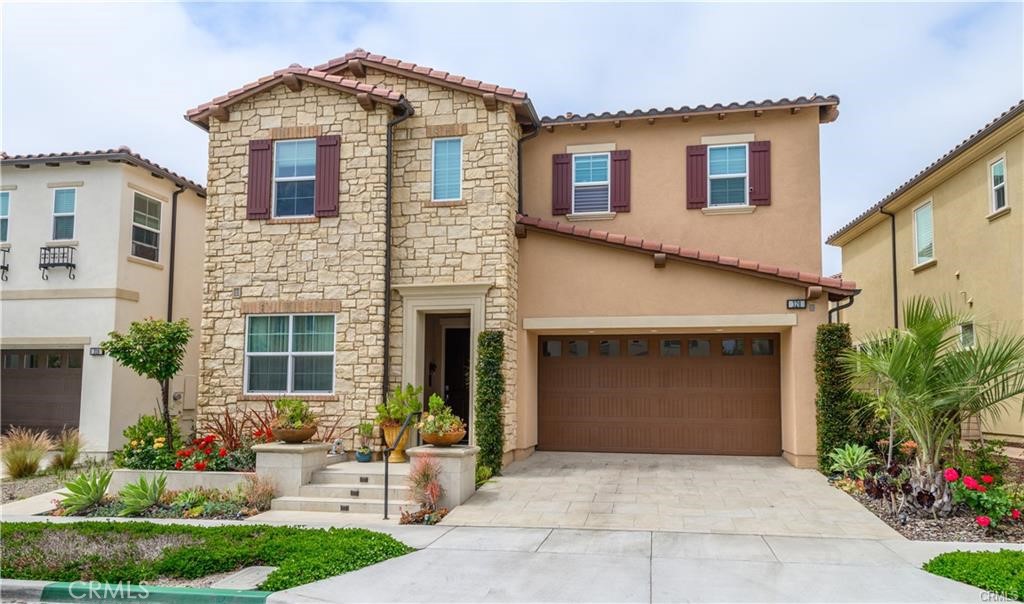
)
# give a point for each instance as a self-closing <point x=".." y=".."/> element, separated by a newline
<point x="708" y="394"/>
<point x="40" y="389"/>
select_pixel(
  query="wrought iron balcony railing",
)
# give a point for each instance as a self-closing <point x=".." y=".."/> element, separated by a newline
<point x="61" y="256"/>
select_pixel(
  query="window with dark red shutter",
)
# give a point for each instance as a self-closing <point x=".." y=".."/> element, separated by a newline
<point x="696" y="177"/>
<point x="328" y="175"/>
<point x="620" y="180"/>
<point x="760" y="173"/>
<point x="261" y="166"/>
<point x="561" y="184"/>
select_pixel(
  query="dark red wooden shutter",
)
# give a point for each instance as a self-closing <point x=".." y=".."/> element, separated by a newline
<point x="561" y="184"/>
<point x="620" y="181"/>
<point x="760" y="173"/>
<point x="328" y="176"/>
<point x="261" y="168"/>
<point x="696" y="177"/>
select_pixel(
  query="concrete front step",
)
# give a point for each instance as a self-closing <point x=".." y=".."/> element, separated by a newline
<point x="361" y="473"/>
<point x="339" y="504"/>
<point x="352" y="490"/>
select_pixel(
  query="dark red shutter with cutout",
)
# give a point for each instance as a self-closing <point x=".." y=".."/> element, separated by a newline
<point x="760" y="173"/>
<point x="620" y="181"/>
<point x="328" y="176"/>
<point x="261" y="167"/>
<point x="561" y="184"/>
<point x="696" y="177"/>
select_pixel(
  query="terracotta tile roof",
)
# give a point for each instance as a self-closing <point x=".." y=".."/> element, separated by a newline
<point x="421" y="71"/>
<point x="833" y="285"/>
<point x="827" y="106"/>
<point x="200" y="115"/>
<point x="123" y="154"/>
<point x="950" y="155"/>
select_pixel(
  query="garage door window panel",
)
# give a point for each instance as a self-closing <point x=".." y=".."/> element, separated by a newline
<point x="638" y="348"/>
<point x="608" y="348"/>
<point x="578" y="348"/>
<point x="762" y="347"/>
<point x="732" y="347"/>
<point x="699" y="348"/>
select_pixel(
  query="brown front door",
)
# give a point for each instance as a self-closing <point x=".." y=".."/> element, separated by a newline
<point x="701" y="394"/>
<point x="40" y="389"/>
<point x="456" y="372"/>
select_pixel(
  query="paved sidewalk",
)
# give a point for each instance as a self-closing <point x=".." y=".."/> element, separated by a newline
<point x="474" y="564"/>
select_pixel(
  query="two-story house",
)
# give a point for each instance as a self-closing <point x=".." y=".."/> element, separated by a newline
<point x="954" y="231"/>
<point x="91" y="241"/>
<point x="656" y="275"/>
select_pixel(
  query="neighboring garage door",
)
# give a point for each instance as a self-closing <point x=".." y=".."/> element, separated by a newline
<point x="40" y="389"/>
<point x="707" y="394"/>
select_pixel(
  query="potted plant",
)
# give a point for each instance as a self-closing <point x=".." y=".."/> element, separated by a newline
<point x="363" y="452"/>
<point x="440" y="426"/>
<point x="393" y="412"/>
<point x="294" y="423"/>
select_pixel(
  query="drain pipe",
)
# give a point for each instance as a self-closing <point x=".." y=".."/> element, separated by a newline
<point x="895" y="279"/>
<point x="406" y="112"/>
<point x="170" y="261"/>
<point x="519" y="160"/>
<point x="833" y="313"/>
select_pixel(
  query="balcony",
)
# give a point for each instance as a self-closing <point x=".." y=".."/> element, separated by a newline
<point x="4" y="267"/>
<point x="62" y="256"/>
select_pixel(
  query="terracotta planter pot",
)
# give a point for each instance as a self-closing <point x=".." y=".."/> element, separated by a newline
<point x="444" y="440"/>
<point x="390" y="434"/>
<point x="294" y="435"/>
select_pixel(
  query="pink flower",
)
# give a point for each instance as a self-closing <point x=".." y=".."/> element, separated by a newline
<point x="951" y="475"/>
<point x="970" y="483"/>
<point x="200" y="465"/>
<point x="177" y="465"/>
<point x="1015" y="514"/>
<point x="983" y="521"/>
<point x="980" y="488"/>
<point x="987" y="479"/>
<point x="223" y="452"/>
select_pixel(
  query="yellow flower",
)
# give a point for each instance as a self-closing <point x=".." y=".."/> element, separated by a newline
<point x="160" y="439"/>
<point x="158" y="445"/>
<point x="135" y="443"/>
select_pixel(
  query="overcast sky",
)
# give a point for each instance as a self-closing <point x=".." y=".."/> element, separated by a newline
<point x="914" y="79"/>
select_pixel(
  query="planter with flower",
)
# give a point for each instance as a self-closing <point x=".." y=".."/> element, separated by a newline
<point x="146" y="446"/>
<point x="440" y="426"/>
<point x="365" y="434"/>
<point x="990" y="503"/>
<point x="391" y="415"/>
<point x="295" y="423"/>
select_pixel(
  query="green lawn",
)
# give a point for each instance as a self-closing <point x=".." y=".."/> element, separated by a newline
<point x="142" y="551"/>
<point x="1001" y="572"/>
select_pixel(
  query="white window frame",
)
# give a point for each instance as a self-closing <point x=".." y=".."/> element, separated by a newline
<point x="433" y="164"/>
<point x="7" y="216"/>
<point x="55" y="215"/>
<point x="291" y="355"/>
<point x="275" y="179"/>
<point x="974" y="335"/>
<point x="992" y="188"/>
<point x="917" y="249"/>
<point x="607" y="183"/>
<point x="159" y="234"/>
<point x="746" y="176"/>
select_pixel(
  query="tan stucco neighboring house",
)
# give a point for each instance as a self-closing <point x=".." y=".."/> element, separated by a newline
<point x="954" y="231"/>
<point x="656" y="275"/>
<point x="87" y="242"/>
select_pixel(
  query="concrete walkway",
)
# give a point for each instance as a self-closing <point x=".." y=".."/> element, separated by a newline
<point x="685" y="493"/>
<point x="473" y="564"/>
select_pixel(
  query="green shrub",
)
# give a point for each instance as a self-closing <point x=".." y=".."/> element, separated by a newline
<point x="293" y="413"/>
<point x="983" y="457"/>
<point x="440" y="419"/>
<point x="400" y="404"/>
<point x="834" y="402"/>
<point x="137" y="497"/>
<point x="851" y="460"/>
<point x="490" y="395"/>
<point x="69" y="447"/>
<point x="483" y="474"/>
<point x="190" y="498"/>
<point x="22" y="450"/>
<point x="85" y="491"/>
<point x="147" y="447"/>
<point x="1001" y="572"/>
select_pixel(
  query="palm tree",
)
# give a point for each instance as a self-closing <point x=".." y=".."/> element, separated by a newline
<point x="931" y="384"/>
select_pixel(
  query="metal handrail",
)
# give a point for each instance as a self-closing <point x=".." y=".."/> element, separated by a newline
<point x="388" y="450"/>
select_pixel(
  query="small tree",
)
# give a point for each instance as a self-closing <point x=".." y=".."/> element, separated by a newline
<point x="834" y="392"/>
<point x="490" y="393"/>
<point x="154" y="349"/>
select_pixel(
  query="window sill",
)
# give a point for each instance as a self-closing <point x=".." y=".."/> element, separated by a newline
<point x="445" y="203"/>
<point x="5" y="246"/>
<point x="293" y="220"/>
<point x="144" y="262"/>
<point x="274" y="397"/>
<point x="925" y="265"/>
<point x="64" y="243"/>
<point x="737" y="209"/>
<point x="583" y="217"/>
<point x="1003" y="211"/>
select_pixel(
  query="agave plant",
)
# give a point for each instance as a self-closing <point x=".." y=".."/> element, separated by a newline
<point x="931" y="384"/>
<point x="86" y="490"/>
<point x="138" y="497"/>
<point x="851" y="460"/>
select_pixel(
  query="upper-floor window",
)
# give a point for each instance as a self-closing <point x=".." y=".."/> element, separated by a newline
<point x="727" y="175"/>
<point x="5" y="214"/>
<point x="289" y="353"/>
<point x="447" y="169"/>
<point x="967" y="337"/>
<point x="997" y="176"/>
<point x="591" y="183"/>
<point x="64" y="214"/>
<point x="924" y="233"/>
<point x="294" y="177"/>
<point x="146" y="228"/>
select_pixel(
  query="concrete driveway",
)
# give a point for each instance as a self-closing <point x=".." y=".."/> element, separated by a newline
<point x="686" y="493"/>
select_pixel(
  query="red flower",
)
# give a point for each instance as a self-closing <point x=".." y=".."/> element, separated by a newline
<point x="970" y="483"/>
<point x="980" y="488"/>
<point x="983" y="520"/>
<point x="208" y="450"/>
<point x="951" y="475"/>
<point x="986" y="479"/>
<point x="1015" y="514"/>
<point x="223" y="452"/>
<point x="177" y="465"/>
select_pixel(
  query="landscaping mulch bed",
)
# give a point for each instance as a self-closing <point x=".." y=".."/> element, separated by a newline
<point x="12" y="489"/>
<point x="960" y="527"/>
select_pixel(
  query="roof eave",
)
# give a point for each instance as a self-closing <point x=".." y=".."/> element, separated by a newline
<point x="126" y="158"/>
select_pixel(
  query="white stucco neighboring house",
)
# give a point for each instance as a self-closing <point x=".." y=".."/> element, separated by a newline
<point x="89" y="242"/>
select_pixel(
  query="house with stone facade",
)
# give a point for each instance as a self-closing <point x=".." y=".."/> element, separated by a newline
<point x="656" y="274"/>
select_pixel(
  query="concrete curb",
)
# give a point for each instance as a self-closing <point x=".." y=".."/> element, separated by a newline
<point x="94" y="591"/>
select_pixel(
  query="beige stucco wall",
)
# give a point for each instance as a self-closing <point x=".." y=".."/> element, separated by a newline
<point x="561" y="277"/>
<point x="978" y="258"/>
<point x="786" y="233"/>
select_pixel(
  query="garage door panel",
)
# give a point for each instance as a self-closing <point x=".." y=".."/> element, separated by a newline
<point x="659" y="395"/>
<point x="41" y="389"/>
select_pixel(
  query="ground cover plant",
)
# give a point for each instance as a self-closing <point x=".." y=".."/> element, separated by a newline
<point x="142" y="551"/>
<point x="999" y="572"/>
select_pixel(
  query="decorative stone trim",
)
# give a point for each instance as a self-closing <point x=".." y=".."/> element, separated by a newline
<point x="590" y="216"/>
<point x="1003" y="211"/>
<point x="443" y="204"/>
<point x="67" y="184"/>
<point x="925" y="265"/>
<point x="294" y="220"/>
<point x="144" y="262"/>
<point x="591" y="148"/>
<point x="295" y="132"/>
<point x="149" y="192"/>
<point x="727" y="139"/>
<point x="715" y="211"/>
<point x="268" y="307"/>
<point x="442" y="130"/>
<point x="69" y="294"/>
<point x="309" y="398"/>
